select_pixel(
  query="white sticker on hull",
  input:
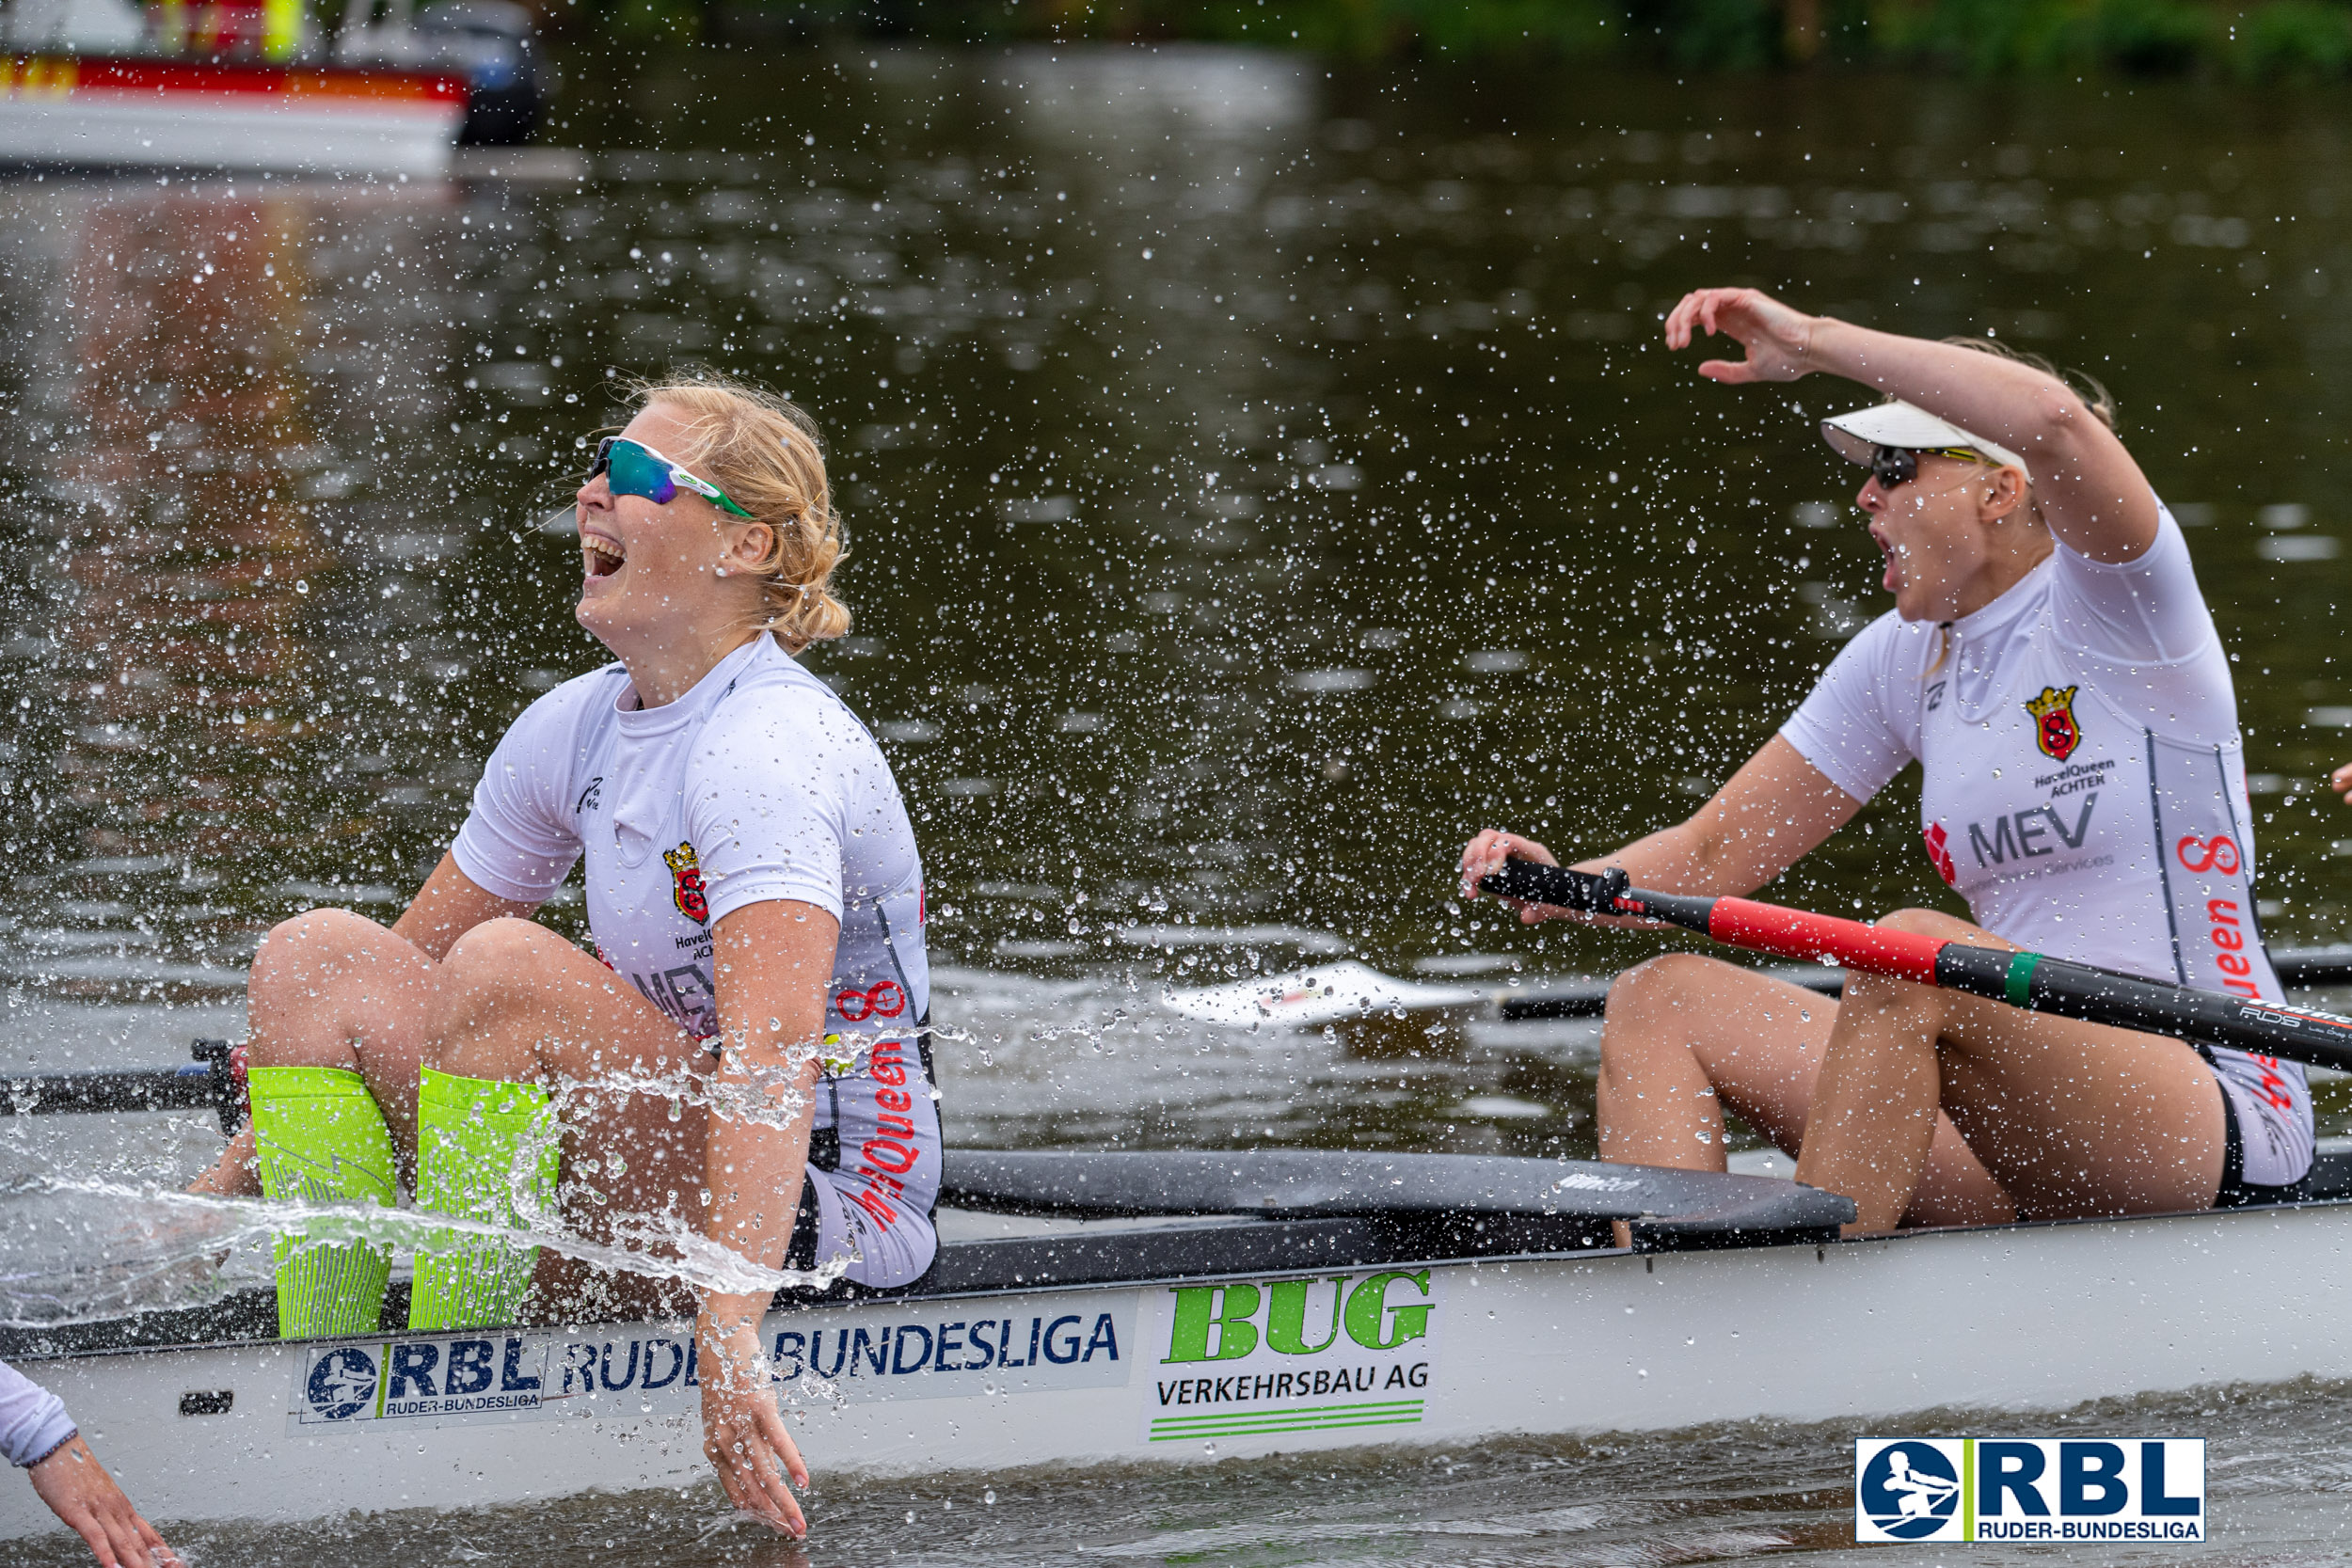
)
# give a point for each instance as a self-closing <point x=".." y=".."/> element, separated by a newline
<point x="498" y="1375"/>
<point x="1319" y="1353"/>
<point x="877" y="1352"/>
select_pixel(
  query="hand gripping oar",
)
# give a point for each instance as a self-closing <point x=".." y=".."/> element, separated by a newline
<point x="2030" y="980"/>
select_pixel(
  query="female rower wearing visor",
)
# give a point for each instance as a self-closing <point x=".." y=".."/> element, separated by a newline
<point x="756" y="903"/>
<point x="2051" y="664"/>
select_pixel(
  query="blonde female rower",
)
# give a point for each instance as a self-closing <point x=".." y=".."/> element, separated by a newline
<point x="2050" y="664"/>
<point x="756" y="902"/>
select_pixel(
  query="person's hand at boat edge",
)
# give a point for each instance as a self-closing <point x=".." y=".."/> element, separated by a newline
<point x="79" y="1491"/>
<point x="1777" y="337"/>
<point x="744" y="1435"/>
<point x="2340" y="782"/>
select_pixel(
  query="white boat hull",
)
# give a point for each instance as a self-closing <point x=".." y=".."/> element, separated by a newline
<point x="307" y="121"/>
<point x="211" y="136"/>
<point x="2003" y="1318"/>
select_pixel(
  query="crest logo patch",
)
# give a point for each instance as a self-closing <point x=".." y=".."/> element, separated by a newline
<point x="2055" y="730"/>
<point x="686" y="883"/>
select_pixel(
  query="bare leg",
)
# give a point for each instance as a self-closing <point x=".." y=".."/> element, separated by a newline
<point x="2074" y="1118"/>
<point x="1686" y="1036"/>
<point x="524" y="1005"/>
<point x="334" y="989"/>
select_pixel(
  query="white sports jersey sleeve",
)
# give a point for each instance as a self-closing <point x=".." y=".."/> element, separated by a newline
<point x="781" y="780"/>
<point x="33" y="1422"/>
<point x="2144" y="611"/>
<point x="1850" y="725"/>
<point x="518" y="841"/>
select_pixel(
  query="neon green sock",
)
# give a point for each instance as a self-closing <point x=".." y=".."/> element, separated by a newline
<point x="485" y="1150"/>
<point x="319" y="1138"/>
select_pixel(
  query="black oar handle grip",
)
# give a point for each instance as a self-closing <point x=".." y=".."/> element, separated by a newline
<point x="1585" y="891"/>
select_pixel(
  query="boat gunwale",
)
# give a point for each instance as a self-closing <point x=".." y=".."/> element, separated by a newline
<point x="15" y="1338"/>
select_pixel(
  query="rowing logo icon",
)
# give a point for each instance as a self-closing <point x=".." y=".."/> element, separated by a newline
<point x="886" y="999"/>
<point x="1909" y="1490"/>
<point x="2218" y="853"/>
<point x="2055" y="730"/>
<point x="685" y="882"/>
<point x="342" y="1383"/>
<point x="1940" y="852"/>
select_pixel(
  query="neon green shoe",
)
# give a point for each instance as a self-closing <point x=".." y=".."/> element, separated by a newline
<point x="320" y="1138"/>
<point x="489" y="1151"/>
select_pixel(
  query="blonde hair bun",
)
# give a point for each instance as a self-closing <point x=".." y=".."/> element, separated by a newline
<point x="744" y="443"/>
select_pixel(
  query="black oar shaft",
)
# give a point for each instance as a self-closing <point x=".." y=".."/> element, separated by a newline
<point x="2029" y="980"/>
<point x="211" y="1083"/>
<point x="2067" y="989"/>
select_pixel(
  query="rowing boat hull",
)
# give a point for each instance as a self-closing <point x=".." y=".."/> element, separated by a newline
<point x="2000" y="1319"/>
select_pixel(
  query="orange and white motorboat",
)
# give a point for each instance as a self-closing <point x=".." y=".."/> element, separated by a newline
<point x="237" y="85"/>
<point x="203" y="116"/>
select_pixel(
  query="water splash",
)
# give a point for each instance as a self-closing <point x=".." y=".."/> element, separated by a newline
<point x="132" y="1248"/>
<point x="79" y="1248"/>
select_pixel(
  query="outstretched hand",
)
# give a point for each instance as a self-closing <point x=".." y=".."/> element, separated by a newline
<point x="743" y="1432"/>
<point x="79" y="1491"/>
<point x="1777" y="337"/>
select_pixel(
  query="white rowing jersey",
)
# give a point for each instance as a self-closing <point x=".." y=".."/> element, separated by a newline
<point x="2083" y="787"/>
<point x="757" y="783"/>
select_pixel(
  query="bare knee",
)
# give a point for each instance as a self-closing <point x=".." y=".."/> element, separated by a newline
<point x="497" y="944"/>
<point x="1877" y="1002"/>
<point x="1656" y="994"/>
<point x="313" y="939"/>
<point x="497" y="965"/>
<point x="304" y="974"/>
<point x="494" y="977"/>
<point x="1652" y="1005"/>
<point x="1867" y="994"/>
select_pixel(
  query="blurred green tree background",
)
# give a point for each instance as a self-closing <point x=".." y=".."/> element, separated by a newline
<point x="2266" y="40"/>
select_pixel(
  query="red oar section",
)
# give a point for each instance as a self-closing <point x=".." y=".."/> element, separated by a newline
<point x="2030" y="980"/>
<point x="1824" y="939"/>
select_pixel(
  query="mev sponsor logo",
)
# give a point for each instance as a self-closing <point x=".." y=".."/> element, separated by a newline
<point x="2026" y="834"/>
<point x="2029" y="1489"/>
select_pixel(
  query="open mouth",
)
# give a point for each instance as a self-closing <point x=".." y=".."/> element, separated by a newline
<point x="603" y="555"/>
<point x="1894" y="576"/>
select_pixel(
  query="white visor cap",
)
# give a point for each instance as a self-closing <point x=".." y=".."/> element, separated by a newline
<point x="1899" y="424"/>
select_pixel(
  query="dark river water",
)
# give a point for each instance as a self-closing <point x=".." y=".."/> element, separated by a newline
<point x="1258" y="479"/>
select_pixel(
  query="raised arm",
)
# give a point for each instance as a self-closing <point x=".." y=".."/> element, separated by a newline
<point x="2086" y="485"/>
<point x="1777" y="809"/>
<point x="448" y="906"/>
<point x="772" y="961"/>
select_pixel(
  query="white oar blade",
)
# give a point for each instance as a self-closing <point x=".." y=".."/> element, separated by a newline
<point x="1329" y="994"/>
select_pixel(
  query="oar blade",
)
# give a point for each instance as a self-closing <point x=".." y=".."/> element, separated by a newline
<point x="1308" y="998"/>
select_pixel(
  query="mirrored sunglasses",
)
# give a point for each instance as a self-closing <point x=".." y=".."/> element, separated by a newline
<point x="633" y="468"/>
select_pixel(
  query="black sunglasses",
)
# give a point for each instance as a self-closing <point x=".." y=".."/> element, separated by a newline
<point x="1892" y="466"/>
